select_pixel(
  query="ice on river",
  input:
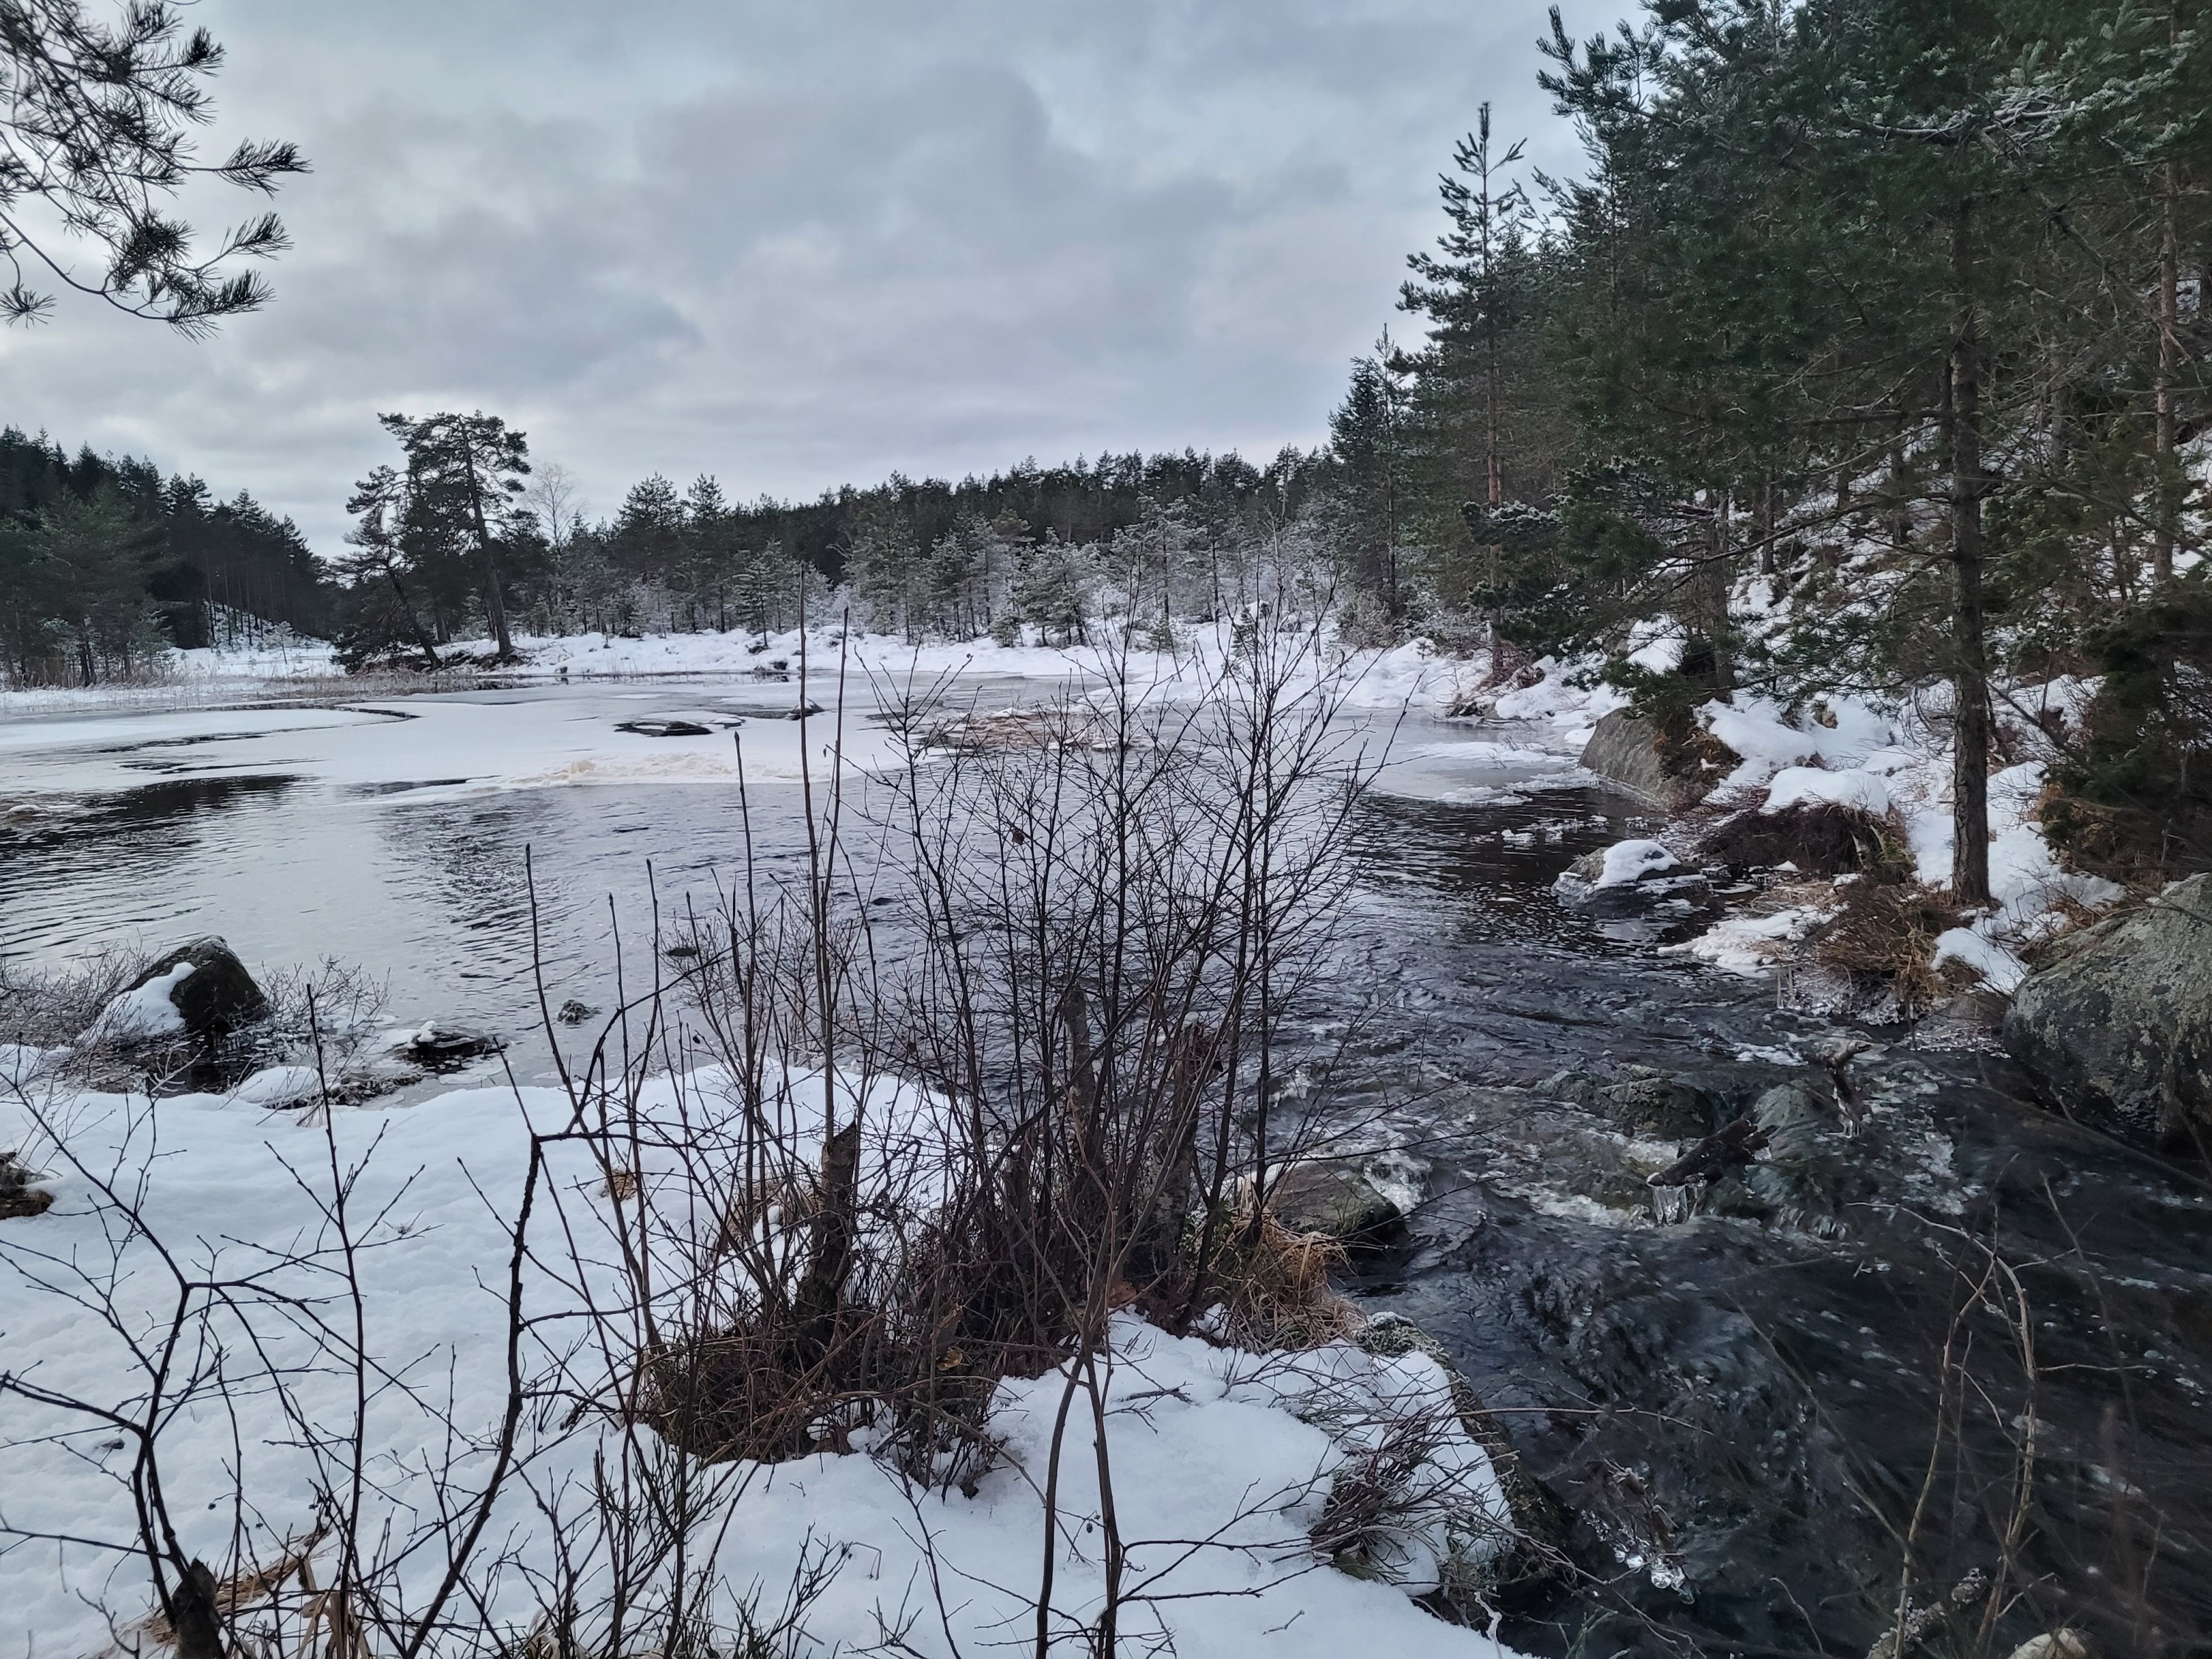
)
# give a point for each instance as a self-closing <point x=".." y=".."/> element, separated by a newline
<point x="450" y="743"/>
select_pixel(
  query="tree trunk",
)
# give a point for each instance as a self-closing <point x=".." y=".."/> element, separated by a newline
<point x="496" y="603"/>
<point x="1710" y="588"/>
<point x="1969" y="767"/>
<point x="415" y="622"/>
<point x="494" y="599"/>
<point x="2168" y="463"/>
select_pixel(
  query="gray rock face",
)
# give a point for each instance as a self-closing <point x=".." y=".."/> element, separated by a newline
<point x="2118" y="1017"/>
<point x="1644" y="1102"/>
<point x="217" y="996"/>
<point x="1625" y="750"/>
<point x="1332" y="1198"/>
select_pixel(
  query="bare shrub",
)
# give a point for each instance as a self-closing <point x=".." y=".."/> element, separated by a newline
<point x="50" y="1005"/>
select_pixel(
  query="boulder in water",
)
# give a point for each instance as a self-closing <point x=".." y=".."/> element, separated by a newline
<point x="1644" y="1101"/>
<point x="1629" y="878"/>
<point x="446" y="1047"/>
<point x="2118" y="1018"/>
<point x="1663" y="1108"/>
<point x="671" y="728"/>
<point x="204" y="982"/>
<point x="1333" y="1199"/>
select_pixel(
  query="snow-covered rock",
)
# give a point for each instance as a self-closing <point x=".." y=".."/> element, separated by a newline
<point x="1628" y="862"/>
<point x="1803" y="786"/>
<point x="146" y="1012"/>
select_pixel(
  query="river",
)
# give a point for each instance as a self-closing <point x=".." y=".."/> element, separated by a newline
<point x="1742" y="1411"/>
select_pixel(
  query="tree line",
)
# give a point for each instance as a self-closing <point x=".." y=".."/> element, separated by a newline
<point x="1885" y="312"/>
<point x="104" y="563"/>
<point x="459" y="538"/>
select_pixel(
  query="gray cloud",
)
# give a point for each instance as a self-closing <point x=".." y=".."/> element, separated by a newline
<point x="797" y="245"/>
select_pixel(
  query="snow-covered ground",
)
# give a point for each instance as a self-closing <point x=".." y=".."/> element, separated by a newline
<point x="1219" y="1465"/>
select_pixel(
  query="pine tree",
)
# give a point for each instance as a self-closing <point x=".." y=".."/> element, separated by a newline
<point x="378" y="560"/>
<point x="465" y="475"/>
<point x="95" y="134"/>
<point x="709" y="549"/>
<point x="1367" y="445"/>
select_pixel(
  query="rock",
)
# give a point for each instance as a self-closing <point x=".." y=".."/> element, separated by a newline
<point x="1626" y="863"/>
<point x="1643" y="1103"/>
<point x="1628" y="879"/>
<point x="1627" y="751"/>
<point x="1334" y="1199"/>
<point x="1812" y="1177"/>
<point x="216" y="998"/>
<point x="2118" y="1018"/>
<point x="1718" y="1155"/>
<point x="572" y="1012"/>
<point x="444" y="1048"/>
<point x="18" y="1198"/>
<point x="1661" y="1108"/>
<point x="665" y="728"/>
<point x="2055" y="1644"/>
<point x="1537" y="1555"/>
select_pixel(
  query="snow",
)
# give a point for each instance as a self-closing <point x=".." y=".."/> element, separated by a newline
<point x="1762" y="731"/>
<point x="19" y="1062"/>
<point x="146" y="1012"/>
<point x="1656" y="646"/>
<point x="279" y="1085"/>
<point x="1749" y="945"/>
<point x="2000" y="970"/>
<point x="1889" y="760"/>
<point x="1627" y="862"/>
<point x="470" y="741"/>
<point x="1805" y="786"/>
<point x="1207" y="1443"/>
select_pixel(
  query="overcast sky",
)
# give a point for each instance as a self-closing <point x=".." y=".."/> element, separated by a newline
<point x="798" y="244"/>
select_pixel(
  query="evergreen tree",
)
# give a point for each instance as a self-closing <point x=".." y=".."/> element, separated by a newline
<point x="95" y="134"/>
<point x="465" y="475"/>
<point x="709" y="555"/>
<point x="1367" y="447"/>
<point x="377" y="567"/>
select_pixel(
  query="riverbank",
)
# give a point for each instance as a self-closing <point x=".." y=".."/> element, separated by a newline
<point x="1779" y="782"/>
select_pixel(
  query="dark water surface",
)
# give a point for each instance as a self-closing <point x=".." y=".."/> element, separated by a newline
<point x="1740" y="1411"/>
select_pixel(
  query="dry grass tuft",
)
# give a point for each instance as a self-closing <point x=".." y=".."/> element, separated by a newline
<point x="1818" y="840"/>
<point x="1883" y="935"/>
<point x="1274" y="1290"/>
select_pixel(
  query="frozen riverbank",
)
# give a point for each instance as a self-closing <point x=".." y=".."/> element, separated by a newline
<point x="1219" y="1471"/>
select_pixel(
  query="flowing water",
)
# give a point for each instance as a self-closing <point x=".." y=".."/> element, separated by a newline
<point x="1743" y="1409"/>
